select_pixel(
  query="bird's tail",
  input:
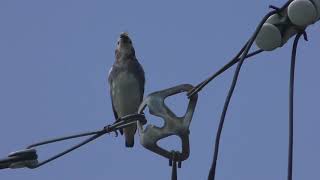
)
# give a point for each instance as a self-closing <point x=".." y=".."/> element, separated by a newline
<point x="129" y="133"/>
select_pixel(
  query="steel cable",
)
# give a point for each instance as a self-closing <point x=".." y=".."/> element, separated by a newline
<point x="212" y="171"/>
<point x="291" y="98"/>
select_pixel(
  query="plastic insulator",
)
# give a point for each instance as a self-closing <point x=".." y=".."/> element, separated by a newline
<point x="317" y="4"/>
<point x="269" y="37"/>
<point x="302" y="12"/>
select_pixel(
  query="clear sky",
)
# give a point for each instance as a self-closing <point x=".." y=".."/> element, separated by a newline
<point x="55" y="56"/>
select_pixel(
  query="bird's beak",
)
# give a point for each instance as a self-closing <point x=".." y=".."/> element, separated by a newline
<point x="124" y="38"/>
<point x="124" y="35"/>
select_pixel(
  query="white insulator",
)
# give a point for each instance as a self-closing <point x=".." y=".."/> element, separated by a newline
<point x="302" y="12"/>
<point x="317" y="4"/>
<point x="274" y="19"/>
<point x="269" y="37"/>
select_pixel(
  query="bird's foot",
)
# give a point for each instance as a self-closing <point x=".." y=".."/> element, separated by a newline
<point x="116" y="133"/>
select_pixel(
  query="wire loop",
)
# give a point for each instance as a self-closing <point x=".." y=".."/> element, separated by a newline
<point x="28" y="158"/>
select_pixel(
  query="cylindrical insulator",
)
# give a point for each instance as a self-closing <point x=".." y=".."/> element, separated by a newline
<point x="302" y="12"/>
<point x="317" y="4"/>
<point x="269" y="37"/>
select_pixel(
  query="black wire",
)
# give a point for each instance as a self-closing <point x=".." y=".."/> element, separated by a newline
<point x="291" y="96"/>
<point x="68" y="150"/>
<point x="174" y="173"/>
<point x="63" y="139"/>
<point x="201" y="85"/>
<point x="236" y="59"/>
<point x="212" y="171"/>
<point x="121" y="123"/>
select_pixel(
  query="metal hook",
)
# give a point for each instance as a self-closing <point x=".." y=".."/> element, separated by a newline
<point x="173" y="125"/>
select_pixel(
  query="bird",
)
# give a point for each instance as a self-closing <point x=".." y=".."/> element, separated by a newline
<point x="126" y="81"/>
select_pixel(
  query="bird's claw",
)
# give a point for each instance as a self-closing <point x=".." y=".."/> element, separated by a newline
<point x="116" y="133"/>
<point x="305" y="35"/>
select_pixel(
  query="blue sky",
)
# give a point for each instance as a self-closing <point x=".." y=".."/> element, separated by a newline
<point x="55" y="56"/>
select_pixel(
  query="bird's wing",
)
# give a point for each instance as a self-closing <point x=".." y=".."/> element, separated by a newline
<point x="115" y="112"/>
<point x="139" y="72"/>
<point x="112" y="73"/>
<point x="113" y="109"/>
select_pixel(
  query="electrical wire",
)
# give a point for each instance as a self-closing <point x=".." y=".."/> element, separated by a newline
<point x="232" y="62"/>
<point x="212" y="171"/>
<point x="174" y="175"/>
<point x="122" y="122"/>
<point x="236" y="59"/>
<point x="68" y="150"/>
<point x="64" y="138"/>
<point x="291" y="99"/>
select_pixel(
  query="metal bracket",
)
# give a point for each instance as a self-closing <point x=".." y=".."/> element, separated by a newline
<point x="173" y="125"/>
<point x="20" y="159"/>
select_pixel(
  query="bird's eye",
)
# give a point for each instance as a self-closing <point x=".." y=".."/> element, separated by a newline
<point x="130" y="42"/>
<point x="118" y="42"/>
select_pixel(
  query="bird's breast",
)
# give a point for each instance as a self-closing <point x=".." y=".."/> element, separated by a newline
<point x="126" y="94"/>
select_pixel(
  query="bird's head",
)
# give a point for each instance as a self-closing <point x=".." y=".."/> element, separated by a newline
<point x="124" y="49"/>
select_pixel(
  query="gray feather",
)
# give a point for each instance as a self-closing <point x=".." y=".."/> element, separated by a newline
<point x="126" y="80"/>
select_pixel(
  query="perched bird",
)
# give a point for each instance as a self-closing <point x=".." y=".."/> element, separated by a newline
<point x="126" y="81"/>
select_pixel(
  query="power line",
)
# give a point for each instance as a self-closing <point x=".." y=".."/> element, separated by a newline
<point x="291" y="99"/>
<point x="28" y="157"/>
<point x="232" y="62"/>
<point x="212" y="171"/>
